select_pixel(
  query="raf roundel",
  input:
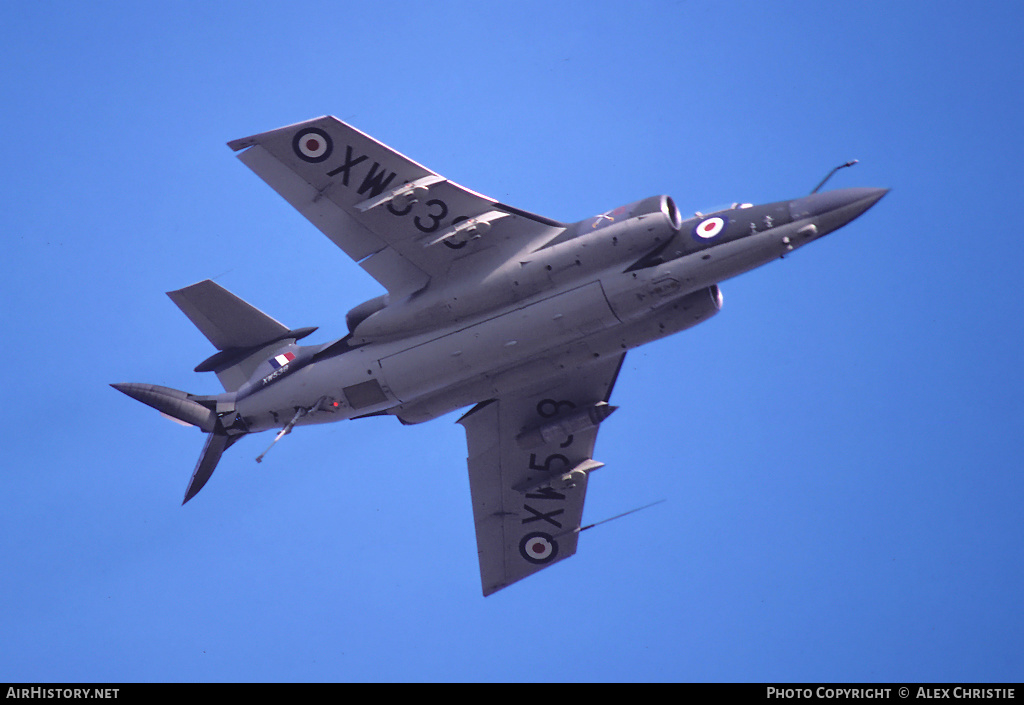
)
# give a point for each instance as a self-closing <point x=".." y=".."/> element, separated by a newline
<point x="538" y="548"/>
<point x="312" y="145"/>
<point x="708" y="229"/>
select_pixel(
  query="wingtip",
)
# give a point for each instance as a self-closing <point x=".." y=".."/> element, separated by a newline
<point x="489" y="590"/>
<point x="242" y="143"/>
<point x="246" y="142"/>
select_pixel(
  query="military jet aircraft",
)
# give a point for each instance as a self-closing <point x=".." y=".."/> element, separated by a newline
<point x="524" y="318"/>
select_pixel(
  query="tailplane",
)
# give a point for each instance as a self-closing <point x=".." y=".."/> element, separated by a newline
<point x="243" y="335"/>
<point x="245" y="338"/>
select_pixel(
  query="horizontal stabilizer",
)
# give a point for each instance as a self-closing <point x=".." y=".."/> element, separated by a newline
<point x="243" y="335"/>
<point x="226" y="320"/>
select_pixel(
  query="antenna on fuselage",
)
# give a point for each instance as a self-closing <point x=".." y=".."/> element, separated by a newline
<point x="841" y="166"/>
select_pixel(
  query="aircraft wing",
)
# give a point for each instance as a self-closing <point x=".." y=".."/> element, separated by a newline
<point x="529" y="463"/>
<point x="402" y="222"/>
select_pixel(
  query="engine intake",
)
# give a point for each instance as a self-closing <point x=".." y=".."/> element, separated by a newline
<point x="662" y="207"/>
<point x="364" y="310"/>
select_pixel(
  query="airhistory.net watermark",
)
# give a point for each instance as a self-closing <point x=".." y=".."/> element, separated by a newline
<point x="62" y="693"/>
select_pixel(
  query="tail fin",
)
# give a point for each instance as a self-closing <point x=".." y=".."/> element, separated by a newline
<point x="194" y="411"/>
<point x="240" y="331"/>
<point x="216" y="444"/>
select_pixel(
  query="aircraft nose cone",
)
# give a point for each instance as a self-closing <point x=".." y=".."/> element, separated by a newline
<point x="819" y="203"/>
<point x="834" y="209"/>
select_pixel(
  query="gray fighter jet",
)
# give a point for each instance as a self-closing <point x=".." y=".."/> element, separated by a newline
<point x="524" y="318"/>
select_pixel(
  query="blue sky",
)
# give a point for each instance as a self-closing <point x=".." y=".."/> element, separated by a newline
<point x="839" y="449"/>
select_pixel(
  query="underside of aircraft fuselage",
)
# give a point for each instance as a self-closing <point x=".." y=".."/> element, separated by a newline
<point x="596" y="294"/>
<point x="522" y="318"/>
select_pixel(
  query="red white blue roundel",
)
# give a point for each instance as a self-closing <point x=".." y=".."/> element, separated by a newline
<point x="538" y="548"/>
<point x="708" y="229"/>
<point x="312" y="145"/>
